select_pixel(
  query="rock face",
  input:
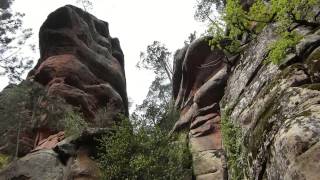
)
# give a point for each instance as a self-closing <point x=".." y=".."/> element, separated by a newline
<point x="276" y="110"/>
<point x="264" y="117"/>
<point x="83" y="66"/>
<point x="200" y="76"/>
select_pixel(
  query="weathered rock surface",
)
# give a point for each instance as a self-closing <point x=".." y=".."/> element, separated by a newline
<point x="276" y="109"/>
<point x="273" y="110"/>
<point x="83" y="66"/>
<point x="199" y="79"/>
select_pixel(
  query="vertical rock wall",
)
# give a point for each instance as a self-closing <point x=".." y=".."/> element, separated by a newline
<point x="276" y="109"/>
<point x="199" y="79"/>
<point x="269" y="114"/>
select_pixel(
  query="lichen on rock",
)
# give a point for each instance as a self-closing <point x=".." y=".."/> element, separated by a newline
<point x="276" y="111"/>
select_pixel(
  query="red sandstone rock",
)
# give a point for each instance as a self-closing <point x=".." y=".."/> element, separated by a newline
<point x="83" y="65"/>
<point x="199" y="79"/>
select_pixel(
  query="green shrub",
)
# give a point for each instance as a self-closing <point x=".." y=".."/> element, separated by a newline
<point x="284" y="13"/>
<point x="74" y="124"/>
<point x="233" y="145"/>
<point x="280" y="48"/>
<point x="145" y="152"/>
<point x="4" y="160"/>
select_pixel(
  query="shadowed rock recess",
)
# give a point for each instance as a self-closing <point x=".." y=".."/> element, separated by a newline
<point x="81" y="67"/>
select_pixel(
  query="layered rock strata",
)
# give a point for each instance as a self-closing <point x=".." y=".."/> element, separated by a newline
<point x="83" y="66"/>
<point x="200" y="75"/>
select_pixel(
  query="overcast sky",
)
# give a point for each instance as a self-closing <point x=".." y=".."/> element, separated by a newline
<point x="136" y="23"/>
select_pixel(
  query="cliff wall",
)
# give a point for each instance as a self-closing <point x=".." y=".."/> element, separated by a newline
<point x="275" y="110"/>
<point x="247" y="118"/>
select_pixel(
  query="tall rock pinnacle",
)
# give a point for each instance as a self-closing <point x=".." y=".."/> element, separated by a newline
<point x="81" y="64"/>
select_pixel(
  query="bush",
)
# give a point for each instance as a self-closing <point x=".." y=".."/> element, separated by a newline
<point x="239" y="21"/>
<point x="232" y="143"/>
<point x="74" y="124"/>
<point x="145" y="152"/>
<point x="4" y="160"/>
<point x="280" y="48"/>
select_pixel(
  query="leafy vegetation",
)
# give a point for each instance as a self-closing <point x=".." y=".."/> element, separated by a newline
<point x="74" y="124"/>
<point x="157" y="58"/>
<point x="280" y="48"/>
<point x="26" y="107"/>
<point x="233" y="144"/>
<point x="142" y="148"/>
<point x="205" y="9"/>
<point x="154" y="108"/>
<point x="140" y="151"/>
<point x="242" y="21"/>
<point x="4" y="160"/>
<point x="14" y="115"/>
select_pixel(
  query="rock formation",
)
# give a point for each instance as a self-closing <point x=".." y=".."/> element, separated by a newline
<point x="249" y="119"/>
<point x="276" y="109"/>
<point x="200" y="75"/>
<point x="244" y="118"/>
<point x="82" y="66"/>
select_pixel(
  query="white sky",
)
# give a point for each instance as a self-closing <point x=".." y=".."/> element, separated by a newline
<point x="136" y="23"/>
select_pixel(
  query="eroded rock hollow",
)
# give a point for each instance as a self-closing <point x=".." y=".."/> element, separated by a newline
<point x="82" y="67"/>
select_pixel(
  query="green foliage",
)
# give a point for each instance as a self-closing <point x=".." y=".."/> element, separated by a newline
<point x="239" y="19"/>
<point x="155" y="107"/>
<point x="74" y="124"/>
<point x="233" y="145"/>
<point x="280" y="48"/>
<point x="4" y="160"/>
<point x="26" y="107"/>
<point x="285" y="13"/>
<point x="169" y="118"/>
<point x="140" y="151"/>
<point x="205" y="8"/>
<point x="15" y="115"/>
<point x="156" y="58"/>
